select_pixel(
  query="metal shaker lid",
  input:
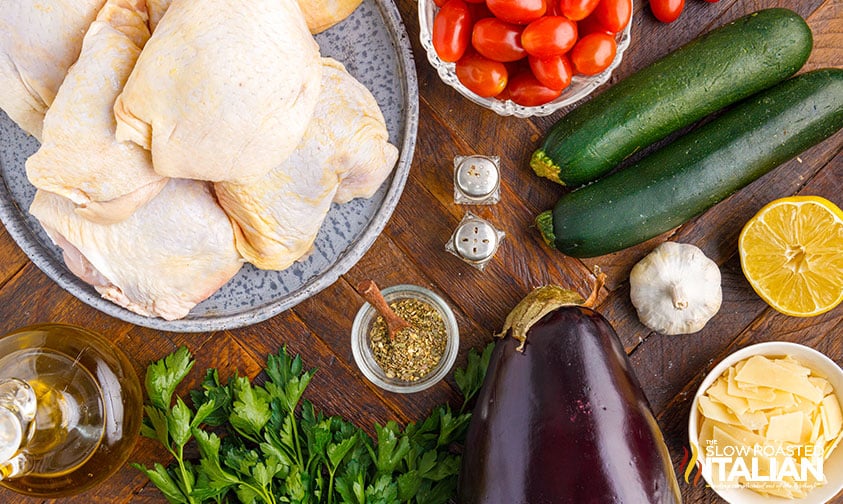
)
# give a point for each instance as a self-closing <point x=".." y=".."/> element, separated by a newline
<point x="475" y="240"/>
<point x="477" y="177"/>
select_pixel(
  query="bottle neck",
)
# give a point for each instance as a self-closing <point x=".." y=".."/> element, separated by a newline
<point x="18" y="405"/>
<point x="11" y="434"/>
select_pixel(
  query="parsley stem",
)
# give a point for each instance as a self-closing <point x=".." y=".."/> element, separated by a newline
<point x="187" y="486"/>
<point x="296" y="439"/>
<point x="331" y="484"/>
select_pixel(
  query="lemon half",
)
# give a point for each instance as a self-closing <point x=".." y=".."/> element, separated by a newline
<point x="792" y="255"/>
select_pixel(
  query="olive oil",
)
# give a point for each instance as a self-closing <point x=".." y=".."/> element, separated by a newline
<point x="86" y="415"/>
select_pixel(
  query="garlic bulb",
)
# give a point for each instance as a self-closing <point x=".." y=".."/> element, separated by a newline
<point x="675" y="289"/>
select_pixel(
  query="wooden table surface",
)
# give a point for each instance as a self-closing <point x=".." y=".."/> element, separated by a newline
<point x="410" y="250"/>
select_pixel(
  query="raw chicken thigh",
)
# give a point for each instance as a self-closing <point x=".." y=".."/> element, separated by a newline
<point x="156" y="8"/>
<point x="79" y="157"/>
<point x="323" y="14"/>
<point x="319" y="14"/>
<point x="172" y="253"/>
<point x="39" y="40"/>
<point x="345" y="153"/>
<point x="223" y="90"/>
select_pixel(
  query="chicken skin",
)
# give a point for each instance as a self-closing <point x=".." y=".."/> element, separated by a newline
<point x="163" y="260"/>
<point x="79" y="157"/>
<point x="345" y="154"/>
<point x="223" y="90"/>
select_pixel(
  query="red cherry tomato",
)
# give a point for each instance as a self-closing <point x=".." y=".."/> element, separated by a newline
<point x="526" y="90"/>
<point x="498" y="40"/>
<point x="593" y="53"/>
<point x="554" y="72"/>
<point x="452" y="30"/>
<point x="553" y="8"/>
<point x="667" y="11"/>
<point x="517" y="11"/>
<point x="484" y="77"/>
<point x="440" y="3"/>
<point x="591" y="25"/>
<point x="613" y="15"/>
<point x="577" y="9"/>
<point x="549" y="36"/>
<point x="479" y="11"/>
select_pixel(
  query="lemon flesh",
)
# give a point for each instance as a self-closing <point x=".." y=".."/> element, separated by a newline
<point x="791" y="253"/>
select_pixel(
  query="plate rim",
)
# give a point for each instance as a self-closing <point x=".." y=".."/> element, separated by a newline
<point x="14" y="218"/>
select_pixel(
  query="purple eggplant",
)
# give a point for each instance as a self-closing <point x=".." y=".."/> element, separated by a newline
<point x="561" y="417"/>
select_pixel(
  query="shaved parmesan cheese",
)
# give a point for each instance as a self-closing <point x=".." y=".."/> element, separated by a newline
<point x="831" y="415"/>
<point x="781" y="399"/>
<point x="719" y="392"/>
<point x="716" y="411"/>
<point x="775" y="420"/>
<point x="829" y="447"/>
<point x="822" y="384"/>
<point x="761" y="371"/>
<point x="748" y="391"/>
<point x="786" y="427"/>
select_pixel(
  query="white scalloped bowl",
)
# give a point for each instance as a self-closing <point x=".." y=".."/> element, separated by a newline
<point x="581" y="85"/>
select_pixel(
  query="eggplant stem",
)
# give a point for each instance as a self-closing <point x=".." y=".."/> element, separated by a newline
<point x="599" y="281"/>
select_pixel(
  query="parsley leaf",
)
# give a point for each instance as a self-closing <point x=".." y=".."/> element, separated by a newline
<point x="470" y="379"/>
<point x="162" y="377"/>
<point x="266" y="444"/>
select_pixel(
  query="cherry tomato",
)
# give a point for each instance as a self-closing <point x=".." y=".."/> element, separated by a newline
<point x="481" y="75"/>
<point x="577" y="9"/>
<point x="503" y="95"/>
<point x="452" y="30"/>
<point x="479" y="11"/>
<point x="591" y="25"/>
<point x="593" y="53"/>
<point x="613" y="15"/>
<point x="526" y="90"/>
<point x="553" y="8"/>
<point x="667" y="11"/>
<point x="554" y="72"/>
<point x="517" y="11"/>
<point x="440" y="3"/>
<point x="498" y="40"/>
<point x="549" y="36"/>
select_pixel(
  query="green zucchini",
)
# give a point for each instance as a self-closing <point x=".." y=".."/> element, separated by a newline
<point x="699" y="169"/>
<point x="717" y="69"/>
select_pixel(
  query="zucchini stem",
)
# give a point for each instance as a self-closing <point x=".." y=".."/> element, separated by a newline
<point x="543" y="166"/>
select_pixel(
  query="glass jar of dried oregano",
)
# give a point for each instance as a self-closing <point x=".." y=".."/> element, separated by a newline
<point x="414" y="357"/>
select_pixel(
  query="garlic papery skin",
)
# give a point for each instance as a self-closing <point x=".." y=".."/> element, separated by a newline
<point x="675" y="289"/>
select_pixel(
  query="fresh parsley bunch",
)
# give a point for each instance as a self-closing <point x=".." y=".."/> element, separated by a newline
<point x="266" y="444"/>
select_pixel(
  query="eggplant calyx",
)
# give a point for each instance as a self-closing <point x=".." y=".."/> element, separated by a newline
<point x="543" y="300"/>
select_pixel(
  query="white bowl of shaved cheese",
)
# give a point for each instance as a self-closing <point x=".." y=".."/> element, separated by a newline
<point x="766" y="423"/>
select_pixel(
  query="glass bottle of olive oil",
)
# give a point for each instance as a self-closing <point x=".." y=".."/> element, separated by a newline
<point x="70" y="409"/>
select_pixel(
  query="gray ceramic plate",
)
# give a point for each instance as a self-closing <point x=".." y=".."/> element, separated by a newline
<point x="373" y="45"/>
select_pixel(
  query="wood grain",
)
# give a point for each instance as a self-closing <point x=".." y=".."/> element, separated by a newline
<point x="411" y="250"/>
